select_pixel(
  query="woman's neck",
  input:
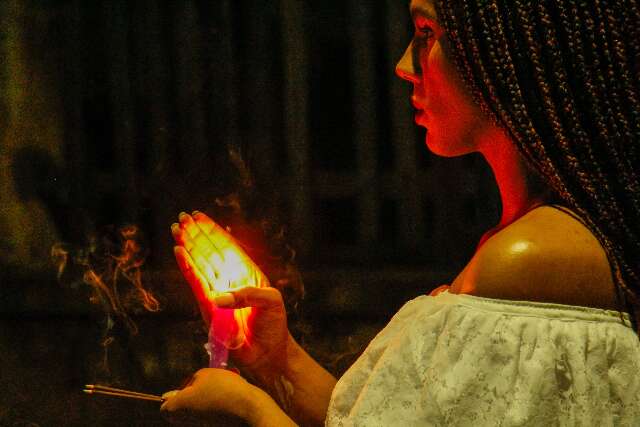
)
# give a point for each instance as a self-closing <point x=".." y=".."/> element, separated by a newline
<point x="516" y="183"/>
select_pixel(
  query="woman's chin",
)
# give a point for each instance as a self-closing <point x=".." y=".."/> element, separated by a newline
<point x="436" y="145"/>
<point x="445" y="147"/>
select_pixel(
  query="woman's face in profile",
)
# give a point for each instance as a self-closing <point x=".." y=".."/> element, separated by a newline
<point x="455" y="124"/>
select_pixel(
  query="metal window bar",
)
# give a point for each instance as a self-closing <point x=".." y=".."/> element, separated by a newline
<point x="363" y="76"/>
<point x="296" y="134"/>
<point x="227" y="70"/>
<point x="405" y="171"/>
<point x="188" y="48"/>
<point x="261" y="136"/>
<point x="116" y="21"/>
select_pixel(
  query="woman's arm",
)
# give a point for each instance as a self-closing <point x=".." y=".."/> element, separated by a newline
<point x="300" y="385"/>
<point x="265" y="412"/>
<point x="268" y="354"/>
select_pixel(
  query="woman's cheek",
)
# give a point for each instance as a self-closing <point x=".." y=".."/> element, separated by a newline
<point x="436" y="84"/>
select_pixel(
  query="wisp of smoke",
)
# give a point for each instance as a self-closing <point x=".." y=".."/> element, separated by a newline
<point x="111" y="265"/>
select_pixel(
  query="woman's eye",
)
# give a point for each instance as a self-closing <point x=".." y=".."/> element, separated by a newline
<point x="425" y="32"/>
<point x="424" y="36"/>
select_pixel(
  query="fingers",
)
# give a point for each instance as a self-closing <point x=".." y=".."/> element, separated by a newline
<point x="218" y="235"/>
<point x="188" y="234"/>
<point x="206" y="254"/>
<point x="228" y="258"/>
<point x="203" y="254"/>
<point x="439" y="290"/>
<point x="186" y="230"/>
<point x="265" y="298"/>
<point x="192" y="229"/>
<point x="197" y="281"/>
<point x="215" y="395"/>
<point x="176" y="399"/>
<point x="184" y="398"/>
<point x="217" y="255"/>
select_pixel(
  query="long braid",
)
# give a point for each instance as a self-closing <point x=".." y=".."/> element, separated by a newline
<point x="603" y="207"/>
<point x="582" y="139"/>
<point x="597" y="117"/>
<point x="550" y="110"/>
<point x="632" y="10"/>
<point x="529" y="106"/>
<point x="631" y="14"/>
<point x="619" y="72"/>
<point x="619" y="68"/>
<point x="620" y="163"/>
<point x="588" y="179"/>
<point x="618" y="122"/>
<point x="496" y="55"/>
<point x="567" y="110"/>
<point x="604" y="95"/>
<point x="594" y="96"/>
<point x="507" y="77"/>
<point x="564" y="85"/>
<point x="628" y="52"/>
<point x="487" y="89"/>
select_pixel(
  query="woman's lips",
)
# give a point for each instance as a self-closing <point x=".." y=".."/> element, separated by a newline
<point x="420" y="115"/>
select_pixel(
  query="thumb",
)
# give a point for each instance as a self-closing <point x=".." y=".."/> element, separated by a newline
<point x="250" y="296"/>
<point x="178" y="400"/>
<point x="169" y="404"/>
<point x="176" y="409"/>
<point x="167" y="396"/>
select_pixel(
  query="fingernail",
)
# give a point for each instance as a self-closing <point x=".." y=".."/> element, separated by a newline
<point x="175" y="227"/>
<point x="169" y="394"/>
<point x="194" y="213"/>
<point x="224" y="300"/>
<point x="181" y="215"/>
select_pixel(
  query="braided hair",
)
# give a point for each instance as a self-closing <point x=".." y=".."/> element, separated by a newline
<point x="562" y="77"/>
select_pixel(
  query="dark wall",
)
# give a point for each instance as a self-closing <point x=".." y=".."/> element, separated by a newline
<point x="280" y="118"/>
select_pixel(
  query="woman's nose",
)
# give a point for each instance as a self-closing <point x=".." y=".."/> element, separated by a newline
<point x="405" y="68"/>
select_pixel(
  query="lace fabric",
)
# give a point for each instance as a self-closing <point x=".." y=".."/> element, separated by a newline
<point x="462" y="360"/>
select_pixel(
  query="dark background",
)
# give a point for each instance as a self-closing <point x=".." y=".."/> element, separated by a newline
<point x="282" y="119"/>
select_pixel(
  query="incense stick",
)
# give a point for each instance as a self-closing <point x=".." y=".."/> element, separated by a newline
<point x="118" y="392"/>
<point x="128" y="396"/>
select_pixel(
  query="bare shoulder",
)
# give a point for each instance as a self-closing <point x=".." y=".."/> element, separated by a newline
<point x="548" y="256"/>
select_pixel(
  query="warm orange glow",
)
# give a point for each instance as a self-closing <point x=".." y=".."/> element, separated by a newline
<point x="60" y="257"/>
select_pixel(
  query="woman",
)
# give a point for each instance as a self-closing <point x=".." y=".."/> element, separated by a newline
<point x="526" y="334"/>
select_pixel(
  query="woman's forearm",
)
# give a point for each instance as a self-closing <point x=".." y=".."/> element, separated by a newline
<point x="265" y="412"/>
<point x="300" y="385"/>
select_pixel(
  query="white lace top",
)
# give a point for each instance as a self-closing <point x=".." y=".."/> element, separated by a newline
<point x="462" y="360"/>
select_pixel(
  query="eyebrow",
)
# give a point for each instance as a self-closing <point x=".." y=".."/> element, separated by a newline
<point x="418" y="10"/>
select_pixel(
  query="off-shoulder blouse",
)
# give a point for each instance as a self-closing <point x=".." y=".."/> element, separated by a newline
<point x="463" y="360"/>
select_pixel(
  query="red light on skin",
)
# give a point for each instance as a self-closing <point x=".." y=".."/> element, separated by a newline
<point x="214" y="263"/>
